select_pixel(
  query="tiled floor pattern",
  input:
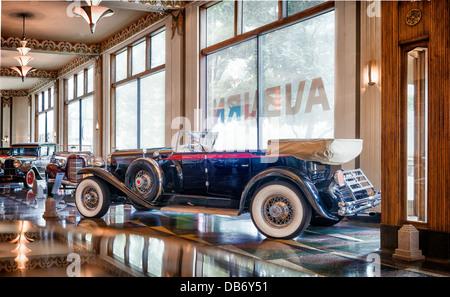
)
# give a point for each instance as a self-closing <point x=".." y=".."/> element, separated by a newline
<point x="350" y="248"/>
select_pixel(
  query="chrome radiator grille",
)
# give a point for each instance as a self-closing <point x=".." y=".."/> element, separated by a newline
<point x="73" y="165"/>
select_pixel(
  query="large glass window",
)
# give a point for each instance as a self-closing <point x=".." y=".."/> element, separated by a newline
<point x="220" y="22"/>
<point x="46" y="132"/>
<point x="80" y="108"/>
<point x="258" y="13"/>
<point x="231" y="95"/>
<point x="140" y="98"/>
<point x="278" y="83"/>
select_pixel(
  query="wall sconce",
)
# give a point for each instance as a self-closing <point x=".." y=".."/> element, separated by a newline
<point x="372" y="73"/>
<point x="5" y="138"/>
<point x="97" y="126"/>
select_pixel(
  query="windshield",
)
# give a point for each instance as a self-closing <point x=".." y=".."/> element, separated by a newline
<point x="194" y="141"/>
<point x="22" y="151"/>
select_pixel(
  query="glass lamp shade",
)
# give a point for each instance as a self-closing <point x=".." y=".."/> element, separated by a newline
<point x="23" y="60"/>
<point x="23" y="70"/>
<point x="93" y="2"/>
<point x="23" y="50"/>
<point x="92" y="14"/>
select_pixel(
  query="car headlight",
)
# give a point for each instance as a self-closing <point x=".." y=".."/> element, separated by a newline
<point x="96" y="162"/>
<point x="61" y="163"/>
<point x="17" y="163"/>
<point x="339" y="178"/>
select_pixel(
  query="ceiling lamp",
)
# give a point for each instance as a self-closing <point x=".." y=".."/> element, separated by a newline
<point x="23" y="59"/>
<point x="92" y="12"/>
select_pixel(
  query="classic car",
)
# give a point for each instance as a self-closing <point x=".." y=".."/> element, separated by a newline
<point x="284" y="188"/>
<point x="4" y="153"/>
<point x="67" y="160"/>
<point x="26" y="162"/>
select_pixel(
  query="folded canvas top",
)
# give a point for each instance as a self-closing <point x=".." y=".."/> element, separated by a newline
<point x="325" y="151"/>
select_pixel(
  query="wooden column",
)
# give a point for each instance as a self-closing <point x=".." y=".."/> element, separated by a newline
<point x="433" y="31"/>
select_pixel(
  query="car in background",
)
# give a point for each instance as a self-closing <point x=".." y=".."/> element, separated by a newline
<point x="67" y="160"/>
<point x="285" y="188"/>
<point x="27" y="162"/>
<point x="4" y="153"/>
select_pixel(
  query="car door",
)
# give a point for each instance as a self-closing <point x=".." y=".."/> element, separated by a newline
<point x="228" y="173"/>
<point x="193" y="166"/>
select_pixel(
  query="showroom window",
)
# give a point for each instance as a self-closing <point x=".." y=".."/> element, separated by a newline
<point x="269" y="73"/>
<point x="139" y="92"/>
<point x="80" y="104"/>
<point x="44" y="107"/>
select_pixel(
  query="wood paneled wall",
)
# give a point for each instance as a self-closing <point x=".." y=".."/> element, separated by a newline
<point x="397" y="36"/>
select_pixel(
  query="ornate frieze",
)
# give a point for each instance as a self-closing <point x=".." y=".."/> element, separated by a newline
<point x="13" y="93"/>
<point x="52" y="46"/>
<point x="36" y="74"/>
<point x="131" y="30"/>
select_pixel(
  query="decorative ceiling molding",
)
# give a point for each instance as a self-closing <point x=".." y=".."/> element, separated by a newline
<point x="14" y="93"/>
<point x="78" y="62"/>
<point x="131" y="30"/>
<point x="53" y="46"/>
<point x="35" y="74"/>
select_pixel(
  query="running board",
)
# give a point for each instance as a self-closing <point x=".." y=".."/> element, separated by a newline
<point x="201" y="209"/>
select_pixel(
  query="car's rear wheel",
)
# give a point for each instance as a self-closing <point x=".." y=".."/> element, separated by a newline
<point x="29" y="179"/>
<point x="279" y="210"/>
<point x="92" y="197"/>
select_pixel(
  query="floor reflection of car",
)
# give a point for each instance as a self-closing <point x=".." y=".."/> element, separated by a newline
<point x="27" y="162"/>
<point x="67" y="160"/>
<point x="292" y="184"/>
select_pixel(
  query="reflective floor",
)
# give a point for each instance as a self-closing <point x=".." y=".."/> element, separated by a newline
<point x="127" y="242"/>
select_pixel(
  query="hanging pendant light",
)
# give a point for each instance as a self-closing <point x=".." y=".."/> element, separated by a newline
<point x="23" y="59"/>
<point x="92" y="13"/>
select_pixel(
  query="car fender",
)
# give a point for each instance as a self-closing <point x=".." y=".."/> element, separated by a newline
<point x="26" y="167"/>
<point x="112" y="181"/>
<point x="293" y="175"/>
<point x="52" y="170"/>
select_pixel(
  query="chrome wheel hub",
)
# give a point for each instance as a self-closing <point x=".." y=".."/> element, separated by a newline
<point x="90" y="198"/>
<point x="278" y="211"/>
<point x="143" y="182"/>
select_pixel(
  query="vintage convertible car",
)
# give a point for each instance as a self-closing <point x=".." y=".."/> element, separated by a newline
<point x="67" y="160"/>
<point x="292" y="184"/>
<point x="26" y="162"/>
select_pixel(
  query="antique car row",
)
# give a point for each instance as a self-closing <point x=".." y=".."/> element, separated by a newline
<point x="292" y="184"/>
<point x="27" y="162"/>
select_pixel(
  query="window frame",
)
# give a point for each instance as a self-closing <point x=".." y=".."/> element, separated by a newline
<point x="149" y="70"/>
<point x="40" y="110"/>
<point x="78" y="98"/>
<point x="284" y="20"/>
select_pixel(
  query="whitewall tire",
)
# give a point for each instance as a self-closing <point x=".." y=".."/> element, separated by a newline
<point x="92" y="198"/>
<point x="279" y="210"/>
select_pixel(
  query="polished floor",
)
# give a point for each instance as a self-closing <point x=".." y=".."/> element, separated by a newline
<point x="127" y="242"/>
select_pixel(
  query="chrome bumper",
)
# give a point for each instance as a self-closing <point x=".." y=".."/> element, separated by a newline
<point x="353" y="207"/>
<point x="356" y="194"/>
<point x="64" y="182"/>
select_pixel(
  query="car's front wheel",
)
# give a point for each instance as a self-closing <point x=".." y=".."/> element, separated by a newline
<point x="279" y="210"/>
<point x="29" y="179"/>
<point x="92" y="197"/>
